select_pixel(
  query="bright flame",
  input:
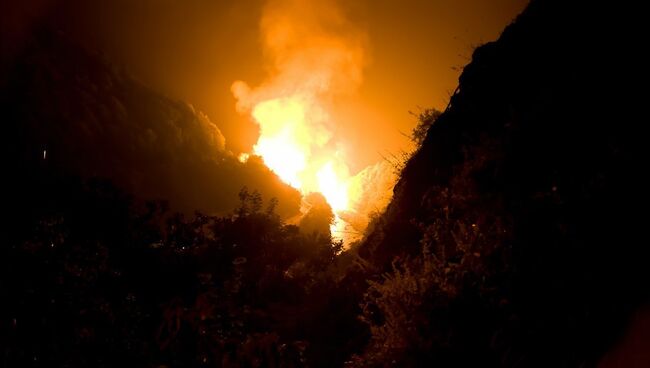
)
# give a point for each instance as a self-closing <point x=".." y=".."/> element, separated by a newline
<point x="315" y="54"/>
<point x="287" y="140"/>
<point x="282" y="126"/>
<point x="243" y="157"/>
<point x="333" y="188"/>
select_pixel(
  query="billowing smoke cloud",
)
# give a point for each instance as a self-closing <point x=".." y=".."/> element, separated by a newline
<point x="315" y="56"/>
<point x="92" y="120"/>
<point x="313" y="51"/>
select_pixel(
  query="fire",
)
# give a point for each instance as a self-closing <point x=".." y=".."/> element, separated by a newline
<point x="282" y="127"/>
<point x="333" y="187"/>
<point x="288" y="137"/>
<point x="315" y="55"/>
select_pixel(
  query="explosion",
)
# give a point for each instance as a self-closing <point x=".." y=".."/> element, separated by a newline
<point x="316" y="54"/>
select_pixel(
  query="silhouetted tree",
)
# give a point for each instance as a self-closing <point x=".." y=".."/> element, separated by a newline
<point x="425" y="119"/>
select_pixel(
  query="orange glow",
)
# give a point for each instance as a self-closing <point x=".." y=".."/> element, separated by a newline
<point x="283" y="138"/>
<point x="333" y="187"/>
<point x="288" y="137"/>
<point x="317" y="56"/>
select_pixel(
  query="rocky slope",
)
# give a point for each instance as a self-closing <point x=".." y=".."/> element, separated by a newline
<point x="529" y="186"/>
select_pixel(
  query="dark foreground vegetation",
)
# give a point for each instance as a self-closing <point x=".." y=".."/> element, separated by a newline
<point x="514" y="237"/>
<point x="96" y="279"/>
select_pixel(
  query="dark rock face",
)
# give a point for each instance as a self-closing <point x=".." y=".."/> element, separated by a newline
<point x="542" y="133"/>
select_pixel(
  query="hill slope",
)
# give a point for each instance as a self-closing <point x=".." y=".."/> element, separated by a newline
<point x="519" y="211"/>
<point x="92" y="119"/>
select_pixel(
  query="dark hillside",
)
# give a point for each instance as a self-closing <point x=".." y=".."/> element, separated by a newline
<point x="526" y="191"/>
<point x="70" y="109"/>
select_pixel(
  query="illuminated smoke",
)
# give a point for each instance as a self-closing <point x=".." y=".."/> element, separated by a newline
<point x="315" y="54"/>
